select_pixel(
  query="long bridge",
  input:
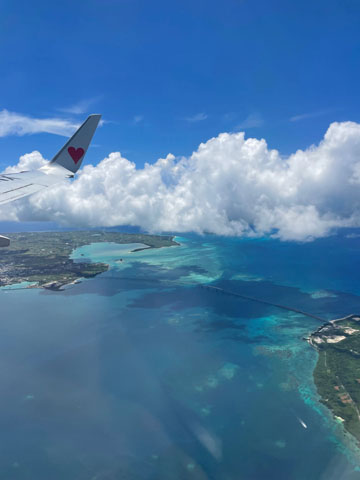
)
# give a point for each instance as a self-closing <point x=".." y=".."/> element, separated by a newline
<point x="259" y="300"/>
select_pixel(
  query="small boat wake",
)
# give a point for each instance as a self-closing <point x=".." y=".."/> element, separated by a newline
<point x="302" y="423"/>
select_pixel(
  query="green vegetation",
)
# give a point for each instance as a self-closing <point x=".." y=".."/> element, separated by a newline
<point x="43" y="257"/>
<point x="337" y="373"/>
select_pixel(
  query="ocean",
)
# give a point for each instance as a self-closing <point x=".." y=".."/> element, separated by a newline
<point x="144" y="373"/>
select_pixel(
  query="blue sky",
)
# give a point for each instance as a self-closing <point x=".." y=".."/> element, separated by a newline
<point x="169" y="75"/>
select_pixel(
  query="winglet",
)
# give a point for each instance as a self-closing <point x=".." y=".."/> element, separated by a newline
<point x="73" y="152"/>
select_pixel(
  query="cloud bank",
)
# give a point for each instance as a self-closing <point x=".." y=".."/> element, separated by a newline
<point x="12" y="123"/>
<point x="229" y="186"/>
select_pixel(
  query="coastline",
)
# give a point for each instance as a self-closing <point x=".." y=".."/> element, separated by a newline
<point x="337" y="371"/>
<point x="44" y="259"/>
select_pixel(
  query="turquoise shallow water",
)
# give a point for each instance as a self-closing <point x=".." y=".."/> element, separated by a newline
<point x="142" y="373"/>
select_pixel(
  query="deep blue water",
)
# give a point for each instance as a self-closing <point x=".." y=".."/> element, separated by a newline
<point x="141" y="373"/>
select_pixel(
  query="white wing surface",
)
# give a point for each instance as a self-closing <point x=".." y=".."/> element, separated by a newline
<point x="18" y="185"/>
<point x="64" y="165"/>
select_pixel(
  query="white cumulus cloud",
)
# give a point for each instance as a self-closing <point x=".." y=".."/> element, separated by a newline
<point x="12" y="123"/>
<point x="229" y="186"/>
<point x="29" y="161"/>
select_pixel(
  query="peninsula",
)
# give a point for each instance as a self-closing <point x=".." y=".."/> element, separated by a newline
<point x="337" y="372"/>
<point x="43" y="258"/>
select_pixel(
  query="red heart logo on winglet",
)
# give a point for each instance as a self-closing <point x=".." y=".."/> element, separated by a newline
<point x="76" y="153"/>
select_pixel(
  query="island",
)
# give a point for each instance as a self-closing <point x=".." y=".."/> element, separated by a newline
<point x="43" y="258"/>
<point x="337" y="372"/>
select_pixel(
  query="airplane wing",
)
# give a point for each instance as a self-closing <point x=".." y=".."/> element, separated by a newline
<point x="64" y="165"/>
<point x="18" y="185"/>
